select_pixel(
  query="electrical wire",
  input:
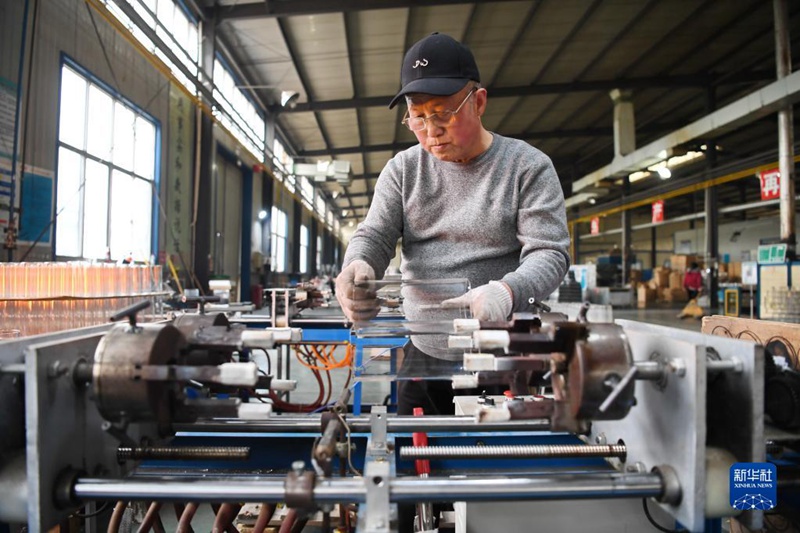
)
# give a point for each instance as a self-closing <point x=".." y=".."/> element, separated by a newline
<point x="653" y="522"/>
<point x="352" y="468"/>
<point x="100" y="510"/>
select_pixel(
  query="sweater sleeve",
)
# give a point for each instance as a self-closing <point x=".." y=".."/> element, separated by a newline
<point x="543" y="234"/>
<point x="375" y="239"/>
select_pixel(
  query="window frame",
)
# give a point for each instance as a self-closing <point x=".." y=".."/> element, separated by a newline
<point x="67" y="62"/>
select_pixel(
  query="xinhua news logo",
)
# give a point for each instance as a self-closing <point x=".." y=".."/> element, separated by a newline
<point x="753" y="486"/>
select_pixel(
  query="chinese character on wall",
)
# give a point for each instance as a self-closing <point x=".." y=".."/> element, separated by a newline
<point x="770" y="184"/>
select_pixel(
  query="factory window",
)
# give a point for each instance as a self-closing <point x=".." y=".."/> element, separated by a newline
<point x="319" y="253"/>
<point x="237" y="113"/>
<point x="105" y="175"/>
<point x="319" y="203"/>
<point x="303" y="249"/>
<point x="174" y="27"/>
<point x="279" y="232"/>
<point x="306" y="191"/>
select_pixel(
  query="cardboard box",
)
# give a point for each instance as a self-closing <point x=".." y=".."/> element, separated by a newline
<point x="676" y="295"/>
<point x="635" y="276"/>
<point x="682" y="262"/>
<point x="661" y="276"/>
<point x="645" y="296"/>
<point x="675" y="280"/>
<point x="734" y="272"/>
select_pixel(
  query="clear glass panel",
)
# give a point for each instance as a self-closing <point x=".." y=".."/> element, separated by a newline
<point x="191" y="43"/>
<point x="68" y="204"/>
<point x="427" y="317"/>
<point x="95" y="212"/>
<point x="180" y="28"/>
<point x="72" y="119"/>
<point x="123" y="136"/>
<point x="303" y="259"/>
<point x="281" y="254"/>
<point x="304" y="235"/>
<point x="145" y="148"/>
<point x="131" y="201"/>
<point x="273" y="255"/>
<point x="282" y="224"/>
<point x="122" y="209"/>
<point x="145" y="8"/>
<point x="166" y="12"/>
<point x="101" y="117"/>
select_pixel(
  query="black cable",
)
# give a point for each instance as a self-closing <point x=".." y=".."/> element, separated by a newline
<point x="103" y="508"/>
<point x="653" y="522"/>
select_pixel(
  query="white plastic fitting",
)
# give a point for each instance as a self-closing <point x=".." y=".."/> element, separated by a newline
<point x="465" y="381"/>
<point x="463" y="342"/>
<point x="255" y="411"/>
<point x="491" y="339"/>
<point x="238" y="374"/>
<point x="466" y="325"/>
<point x="478" y="362"/>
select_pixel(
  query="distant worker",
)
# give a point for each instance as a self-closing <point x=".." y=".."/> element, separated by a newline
<point x="693" y="281"/>
<point x="466" y="202"/>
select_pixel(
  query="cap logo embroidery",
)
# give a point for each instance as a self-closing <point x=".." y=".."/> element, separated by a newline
<point x="418" y="63"/>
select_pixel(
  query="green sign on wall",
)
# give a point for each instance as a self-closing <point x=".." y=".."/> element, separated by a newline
<point x="771" y="254"/>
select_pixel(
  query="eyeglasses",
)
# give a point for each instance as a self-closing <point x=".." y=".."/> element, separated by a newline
<point x="439" y="120"/>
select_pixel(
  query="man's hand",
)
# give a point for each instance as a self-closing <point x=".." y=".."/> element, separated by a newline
<point x="491" y="302"/>
<point x="358" y="301"/>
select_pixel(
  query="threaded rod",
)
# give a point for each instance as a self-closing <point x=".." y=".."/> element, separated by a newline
<point x="188" y="453"/>
<point x="513" y="452"/>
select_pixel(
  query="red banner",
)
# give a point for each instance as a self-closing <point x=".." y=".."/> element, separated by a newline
<point x="658" y="211"/>
<point x="595" y="226"/>
<point x="770" y="184"/>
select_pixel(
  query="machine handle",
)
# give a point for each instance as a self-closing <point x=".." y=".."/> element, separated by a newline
<point x="618" y="389"/>
<point x="130" y="312"/>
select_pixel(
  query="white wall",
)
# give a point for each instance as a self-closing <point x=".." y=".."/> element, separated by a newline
<point x="739" y="240"/>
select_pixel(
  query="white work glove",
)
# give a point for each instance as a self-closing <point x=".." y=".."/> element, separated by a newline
<point x="359" y="303"/>
<point x="491" y="302"/>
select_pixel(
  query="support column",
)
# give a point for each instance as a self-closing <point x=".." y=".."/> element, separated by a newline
<point x="626" y="232"/>
<point x="783" y="60"/>
<point x="653" y="239"/>
<point x="203" y="187"/>
<point x="711" y="228"/>
<point x="712" y="245"/>
<point x="624" y="122"/>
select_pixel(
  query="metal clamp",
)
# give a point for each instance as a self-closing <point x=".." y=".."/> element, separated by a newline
<point x="299" y="487"/>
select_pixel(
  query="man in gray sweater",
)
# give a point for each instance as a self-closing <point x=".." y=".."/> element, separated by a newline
<point x="466" y="202"/>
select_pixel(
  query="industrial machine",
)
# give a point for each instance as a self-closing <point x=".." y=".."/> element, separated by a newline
<point x="173" y="412"/>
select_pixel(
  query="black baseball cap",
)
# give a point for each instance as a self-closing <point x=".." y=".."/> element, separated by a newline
<point x="438" y="65"/>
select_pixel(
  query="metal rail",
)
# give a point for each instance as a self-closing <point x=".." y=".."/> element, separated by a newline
<point x="361" y="424"/>
<point x="407" y="490"/>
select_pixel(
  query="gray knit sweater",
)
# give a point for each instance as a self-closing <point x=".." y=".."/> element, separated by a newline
<point x="500" y="216"/>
